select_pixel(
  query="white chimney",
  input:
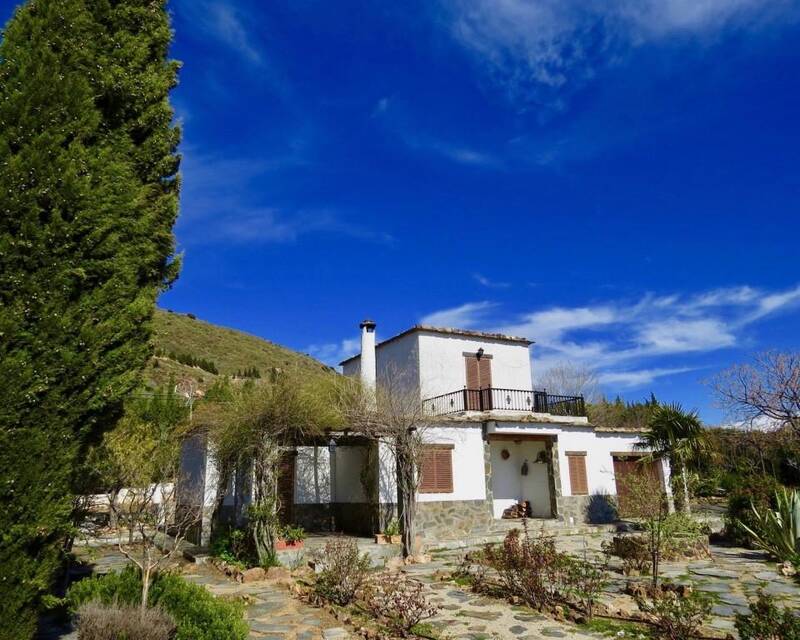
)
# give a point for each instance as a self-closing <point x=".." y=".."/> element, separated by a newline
<point x="368" y="364"/>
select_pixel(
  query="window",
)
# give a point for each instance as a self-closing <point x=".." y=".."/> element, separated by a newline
<point x="577" y="473"/>
<point x="436" y="469"/>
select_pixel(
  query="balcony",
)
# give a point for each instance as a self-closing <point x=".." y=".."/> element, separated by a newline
<point x="493" y="399"/>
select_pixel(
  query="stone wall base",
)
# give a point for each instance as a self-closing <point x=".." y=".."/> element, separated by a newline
<point x="593" y="509"/>
<point x="451" y="520"/>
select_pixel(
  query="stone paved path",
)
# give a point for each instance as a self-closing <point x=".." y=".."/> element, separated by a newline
<point x="731" y="576"/>
<point x="273" y="615"/>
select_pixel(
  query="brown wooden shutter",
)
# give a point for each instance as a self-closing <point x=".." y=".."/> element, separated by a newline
<point x="473" y="375"/>
<point x="485" y="372"/>
<point x="436" y="469"/>
<point x="577" y="473"/>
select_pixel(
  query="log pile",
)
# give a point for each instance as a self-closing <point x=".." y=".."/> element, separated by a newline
<point x="519" y="510"/>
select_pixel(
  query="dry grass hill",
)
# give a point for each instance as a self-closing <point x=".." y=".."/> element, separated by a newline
<point x="183" y="337"/>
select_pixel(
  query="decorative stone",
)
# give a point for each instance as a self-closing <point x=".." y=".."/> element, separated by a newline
<point x="253" y="575"/>
<point x="481" y="615"/>
<point x="517" y="629"/>
<point x="787" y="569"/>
<point x="711" y="572"/>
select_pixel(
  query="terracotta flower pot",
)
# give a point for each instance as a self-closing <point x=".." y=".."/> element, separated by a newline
<point x="283" y="545"/>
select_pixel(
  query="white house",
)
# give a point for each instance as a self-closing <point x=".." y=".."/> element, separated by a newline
<point x="494" y="442"/>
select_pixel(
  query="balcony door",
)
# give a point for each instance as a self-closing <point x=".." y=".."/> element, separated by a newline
<point x="479" y="381"/>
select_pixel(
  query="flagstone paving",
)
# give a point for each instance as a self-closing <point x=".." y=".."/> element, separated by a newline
<point x="732" y="576"/>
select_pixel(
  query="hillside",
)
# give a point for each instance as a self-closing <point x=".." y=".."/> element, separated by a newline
<point x="180" y="336"/>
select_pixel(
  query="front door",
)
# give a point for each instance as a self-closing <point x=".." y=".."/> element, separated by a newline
<point x="479" y="382"/>
<point x="627" y="466"/>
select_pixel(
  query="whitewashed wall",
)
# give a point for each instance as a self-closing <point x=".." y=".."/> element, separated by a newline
<point x="469" y="477"/>
<point x="442" y="369"/>
<point x="509" y="486"/>
<point x="598" y="447"/>
<point x="313" y="475"/>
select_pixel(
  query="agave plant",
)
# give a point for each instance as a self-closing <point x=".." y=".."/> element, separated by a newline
<point x="778" y="532"/>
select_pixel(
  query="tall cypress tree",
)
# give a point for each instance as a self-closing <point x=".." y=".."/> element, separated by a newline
<point x="88" y="199"/>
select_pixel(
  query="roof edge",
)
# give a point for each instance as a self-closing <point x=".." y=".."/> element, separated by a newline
<point x="469" y="333"/>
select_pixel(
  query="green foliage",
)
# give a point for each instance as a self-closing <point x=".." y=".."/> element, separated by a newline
<point x="232" y="547"/>
<point x="291" y="533"/>
<point x="392" y="527"/>
<point x="767" y="622"/>
<point x="778" y="531"/>
<point x="751" y="494"/>
<point x="622" y="415"/>
<point x="197" y="614"/>
<point x="188" y="359"/>
<point x="676" y="615"/>
<point x="88" y="198"/>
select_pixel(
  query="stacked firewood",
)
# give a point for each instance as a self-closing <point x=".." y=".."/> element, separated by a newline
<point x="519" y="510"/>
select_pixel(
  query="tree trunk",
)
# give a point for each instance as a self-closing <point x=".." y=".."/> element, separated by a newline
<point x="264" y="512"/>
<point x="686" y="506"/>
<point x="406" y="486"/>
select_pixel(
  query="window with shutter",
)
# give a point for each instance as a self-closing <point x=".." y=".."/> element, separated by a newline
<point x="577" y="473"/>
<point x="436" y="469"/>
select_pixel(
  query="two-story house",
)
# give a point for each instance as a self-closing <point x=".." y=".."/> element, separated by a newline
<point x="493" y="442"/>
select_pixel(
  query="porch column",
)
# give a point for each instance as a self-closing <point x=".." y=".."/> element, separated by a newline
<point x="554" y="475"/>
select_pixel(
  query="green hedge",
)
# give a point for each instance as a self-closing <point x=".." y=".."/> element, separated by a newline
<point x="197" y="613"/>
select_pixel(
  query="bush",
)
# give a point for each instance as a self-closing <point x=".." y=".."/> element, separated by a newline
<point x="232" y="547"/>
<point x="397" y="601"/>
<point x="530" y="569"/>
<point x="98" y="621"/>
<point x="587" y="582"/>
<point x="342" y="571"/>
<point x="676" y="615"/>
<point x="767" y="622"/>
<point x="292" y="534"/>
<point x="752" y="491"/>
<point x="197" y="614"/>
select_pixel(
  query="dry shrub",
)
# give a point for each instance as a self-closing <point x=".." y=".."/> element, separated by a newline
<point x="677" y="613"/>
<point x="530" y="568"/>
<point x="98" y="621"/>
<point x="397" y="601"/>
<point x="341" y="571"/>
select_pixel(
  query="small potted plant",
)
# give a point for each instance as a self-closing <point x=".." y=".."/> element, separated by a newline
<point x="391" y="534"/>
<point x="290" y="538"/>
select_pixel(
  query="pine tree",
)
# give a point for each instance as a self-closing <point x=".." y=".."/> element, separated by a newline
<point x="88" y="199"/>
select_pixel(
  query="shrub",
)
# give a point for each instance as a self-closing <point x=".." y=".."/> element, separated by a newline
<point x="392" y="528"/>
<point x="749" y="493"/>
<point x="197" y="614"/>
<point x="98" y="621"/>
<point x="530" y="569"/>
<point x="292" y="534"/>
<point x="634" y="550"/>
<point x="675" y="614"/>
<point x="397" y="601"/>
<point x="232" y="547"/>
<point x="587" y="582"/>
<point x="342" y="571"/>
<point x="767" y="622"/>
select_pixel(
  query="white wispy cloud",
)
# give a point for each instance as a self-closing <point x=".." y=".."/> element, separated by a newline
<point x="332" y="353"/>
<point x="632" y="342"/>
<point x="465" y="316"/>
<point x="224" y="21"/>
<point x="489" y="283"/>
<point x="539" y="51"/>
<point x="219" y="204"/>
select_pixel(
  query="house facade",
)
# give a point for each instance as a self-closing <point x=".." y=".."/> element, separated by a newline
<point x="493" y="442"/>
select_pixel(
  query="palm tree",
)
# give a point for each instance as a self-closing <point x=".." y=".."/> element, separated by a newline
<point x="678" y="436"/>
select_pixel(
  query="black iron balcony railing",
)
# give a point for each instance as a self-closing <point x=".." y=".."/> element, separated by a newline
<point x="494" y="399"/>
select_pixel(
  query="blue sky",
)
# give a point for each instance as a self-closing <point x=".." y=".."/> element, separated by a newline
<point x="615" y="180"/>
